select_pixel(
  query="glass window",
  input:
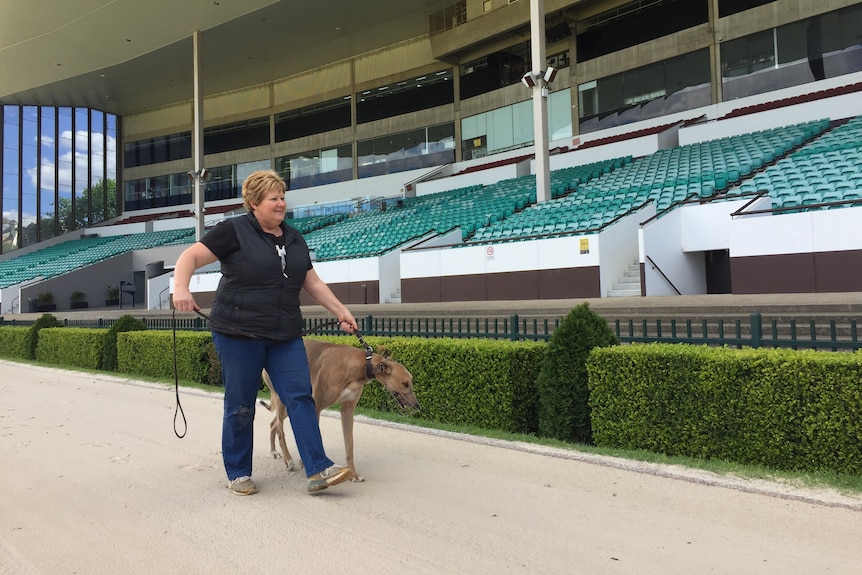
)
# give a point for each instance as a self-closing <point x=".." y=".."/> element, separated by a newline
<point x="728" y="7"/>
<point x="560" y="115"/>
<point x="47" y="160"/>
<point x="636" y="23"/>
<point x="820" y="47"/>
<point x="81" y="170"/>
<point x="111" y="164"/>
<point x="98" y="190"/>
<point x="316" y="167"/>
<point x="413" y="149"/>
<point x="236" y="136"/>
<point x="29" y="166"/>
<point x="11" y="179"/>
<point x="65" y="154"/>
<point x="314" y="119"/>
<point x="158" y="149"/>
<point x="404" y="97"/>
<point x="675" y="85"/>
<point x="496" y="70"/>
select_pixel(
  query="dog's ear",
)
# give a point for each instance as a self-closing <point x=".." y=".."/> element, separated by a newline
<point x="383" y="368"/>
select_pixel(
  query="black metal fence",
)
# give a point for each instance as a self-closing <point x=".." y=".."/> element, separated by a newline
<point x="832" y="334"/>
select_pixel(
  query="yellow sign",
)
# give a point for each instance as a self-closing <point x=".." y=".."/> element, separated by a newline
<point x="585" y="245"/>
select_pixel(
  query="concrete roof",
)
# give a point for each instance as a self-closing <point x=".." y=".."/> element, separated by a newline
<point x="123" y="56"/>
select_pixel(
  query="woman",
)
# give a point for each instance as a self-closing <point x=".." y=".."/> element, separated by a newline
<point x="256" y="323"/>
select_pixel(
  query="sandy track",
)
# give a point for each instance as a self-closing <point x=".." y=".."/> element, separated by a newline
<point x="94" y="481"/>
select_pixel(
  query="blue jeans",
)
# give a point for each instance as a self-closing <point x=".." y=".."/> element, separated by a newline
<point x="242" y="361"/>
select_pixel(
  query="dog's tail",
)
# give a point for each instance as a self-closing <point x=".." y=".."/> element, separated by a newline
<point x="265" y="404"/>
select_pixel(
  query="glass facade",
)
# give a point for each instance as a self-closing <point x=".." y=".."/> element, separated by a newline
<point x="58" y="172"/>
<point x="674" y="85"/>
<point x="821" y="47"/>
<point x="177" y="189"/>
<point x="410" y="150"/>
<point x="635" y="23"/>
<point x="158" y="150"/>
<point x="511" y="127"/>
<point x="316" y="167"/>
<point x="495" y="71"/>
<point x="404" y="97"/>
<point x="236" y="136"/>
<point x="314" y="119"/>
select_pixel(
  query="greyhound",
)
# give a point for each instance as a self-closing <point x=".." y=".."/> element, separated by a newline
<point x="338" y="375"/>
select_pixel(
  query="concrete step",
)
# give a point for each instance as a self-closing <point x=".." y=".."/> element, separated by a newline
<point x="621" y="290"/>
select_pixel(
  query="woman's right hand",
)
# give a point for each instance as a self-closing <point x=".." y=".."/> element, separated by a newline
<point x="184" y="300"/>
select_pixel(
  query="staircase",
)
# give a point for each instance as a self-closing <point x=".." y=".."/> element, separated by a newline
<point x="629" y="284"/>
<point x="394" y="297"/>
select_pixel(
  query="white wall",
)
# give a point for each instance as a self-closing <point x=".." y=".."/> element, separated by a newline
<point x="390" y="275"/>
<point x="661" y="240"/>
<point x="620" y="247"/>
<point x="806" y="232"/>
<point x="540" y="254"/>
<point x="479" y="178"/>
<point x="706" y="227"/>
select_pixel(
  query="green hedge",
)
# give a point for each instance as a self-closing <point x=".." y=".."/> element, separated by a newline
<point x="784" y="409"/>
<point x="72" y="346"/>
<point x="15" y="342"/>
<point x="151" y="354"/>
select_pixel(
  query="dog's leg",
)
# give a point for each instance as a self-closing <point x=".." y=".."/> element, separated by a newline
<point x="276" y="426"/>
<point x="347" y="409"/>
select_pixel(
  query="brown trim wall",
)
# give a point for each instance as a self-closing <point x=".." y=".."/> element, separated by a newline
<point x="816" y="272"/>
<point x="349" y="293"/>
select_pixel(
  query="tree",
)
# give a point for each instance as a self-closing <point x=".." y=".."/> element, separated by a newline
<point x="564" y="395"/>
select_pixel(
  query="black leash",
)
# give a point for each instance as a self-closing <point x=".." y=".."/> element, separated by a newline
<point x="179" y="408"/>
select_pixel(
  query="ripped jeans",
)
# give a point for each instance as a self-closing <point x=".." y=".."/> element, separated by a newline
<point x="242" y="361"/>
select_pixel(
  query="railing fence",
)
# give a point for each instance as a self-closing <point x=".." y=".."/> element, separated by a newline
<point x="834" y="335"/>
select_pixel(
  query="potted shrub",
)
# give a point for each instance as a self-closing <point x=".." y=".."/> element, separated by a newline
<point x="78" y="299"/>
<point x="46" y="301"/>
<point x="112" y="296"/>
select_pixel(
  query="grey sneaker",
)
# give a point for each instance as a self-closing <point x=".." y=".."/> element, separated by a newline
<point x="242" y="486"/>
<point x="330" y="476"/>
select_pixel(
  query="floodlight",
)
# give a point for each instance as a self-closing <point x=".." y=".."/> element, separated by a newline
<point x="529" y="80"/>
<point x="203" y="175"/>
<point x="550" y="74"/>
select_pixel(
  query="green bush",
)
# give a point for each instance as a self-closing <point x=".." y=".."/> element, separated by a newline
<point x="784" y="409"/>
<point x="46" y="320"/>
<point x="151" y="354"/>
<point x="14" y="342"/>
<point x="563" y="390"/>
<point x="214" y="373"/>
<point x="109" y="351"/>
<point x="71" y="346"/>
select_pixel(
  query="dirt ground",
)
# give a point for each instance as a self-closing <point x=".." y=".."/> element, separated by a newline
<point x="93" y="480"/>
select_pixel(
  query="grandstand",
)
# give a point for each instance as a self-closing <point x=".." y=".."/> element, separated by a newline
<point x="759" y="194"/>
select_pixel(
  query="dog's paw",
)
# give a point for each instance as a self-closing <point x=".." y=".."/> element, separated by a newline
<point x="291" y="466"/>
<point x="275" y="454"/>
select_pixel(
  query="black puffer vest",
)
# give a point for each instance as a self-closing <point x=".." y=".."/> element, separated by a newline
<point x="254" y="295"/>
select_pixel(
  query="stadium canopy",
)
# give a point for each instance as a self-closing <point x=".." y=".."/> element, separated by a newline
<point x="124" y="56"/>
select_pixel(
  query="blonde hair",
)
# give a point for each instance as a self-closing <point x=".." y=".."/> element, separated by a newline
<point x="259" y="184"/>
